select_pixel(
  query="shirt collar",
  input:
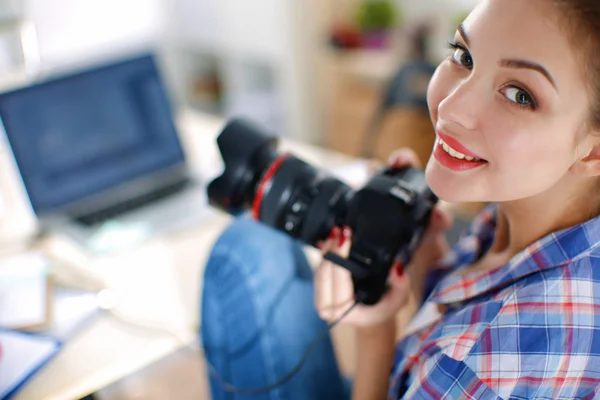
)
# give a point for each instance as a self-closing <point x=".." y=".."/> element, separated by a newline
<point x="556" y="249"/>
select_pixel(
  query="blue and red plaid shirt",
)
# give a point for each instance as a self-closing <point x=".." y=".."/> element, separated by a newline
<point x="526" y="330"/>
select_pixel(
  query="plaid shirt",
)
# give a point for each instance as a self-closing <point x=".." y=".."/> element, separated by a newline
<point x="526" y="330"/>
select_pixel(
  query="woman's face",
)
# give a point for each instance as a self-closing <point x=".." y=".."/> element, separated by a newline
<point x="510" y="94"/>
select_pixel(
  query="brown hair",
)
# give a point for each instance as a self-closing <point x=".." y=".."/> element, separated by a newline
<point x="581" y="18"/>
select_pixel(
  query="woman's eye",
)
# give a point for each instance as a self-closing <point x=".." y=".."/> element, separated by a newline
<point x="462" y="57"/>
<point x="519" y="96"/>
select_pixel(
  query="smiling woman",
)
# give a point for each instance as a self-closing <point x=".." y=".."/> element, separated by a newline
<point x="512" y="308"/>
<point x="509" y="93"/>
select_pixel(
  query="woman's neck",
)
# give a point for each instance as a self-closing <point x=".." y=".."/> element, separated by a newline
<point x="521" y="223"/>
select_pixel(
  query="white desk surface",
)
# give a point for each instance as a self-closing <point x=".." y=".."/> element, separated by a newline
<point x="158" y="281"/>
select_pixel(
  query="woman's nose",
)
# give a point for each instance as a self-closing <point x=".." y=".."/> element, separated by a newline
<point x="462" y="105"/>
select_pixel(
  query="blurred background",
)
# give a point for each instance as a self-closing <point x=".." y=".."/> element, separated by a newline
<point x="347" y="75"/>
<point x="313" y="70"/>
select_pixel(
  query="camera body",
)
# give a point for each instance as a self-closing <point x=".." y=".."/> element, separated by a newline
<point x="387" y="216"/>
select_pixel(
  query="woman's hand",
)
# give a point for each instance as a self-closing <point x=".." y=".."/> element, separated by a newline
<point x="334" y="291"/>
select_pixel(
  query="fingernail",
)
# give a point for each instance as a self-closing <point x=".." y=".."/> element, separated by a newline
<point x="399" y="267"/>
<point x="345" y="234"/>
<point x="335" y="231"/>
<point x="402" y="156"/>
<point x="398" y="162"/>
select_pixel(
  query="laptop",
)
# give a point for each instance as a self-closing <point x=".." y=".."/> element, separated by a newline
<point x="99" y="154"/>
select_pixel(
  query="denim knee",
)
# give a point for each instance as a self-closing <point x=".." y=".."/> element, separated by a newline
<point x="256" y="248"/>
<point x="258" y="317"/>
<point x="263" y="258"/>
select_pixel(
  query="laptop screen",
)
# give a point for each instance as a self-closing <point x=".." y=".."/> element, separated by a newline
<point x="76" y="136"/>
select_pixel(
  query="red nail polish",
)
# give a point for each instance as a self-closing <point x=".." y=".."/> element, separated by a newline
<point x="334" y="233"/>
<point x="438" y="214"/>
<point x="345" y="234"/>
<point x="399" y="267"/>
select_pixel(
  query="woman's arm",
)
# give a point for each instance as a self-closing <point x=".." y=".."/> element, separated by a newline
<point x="375" y="345"/>
<point x="374" y="358"/>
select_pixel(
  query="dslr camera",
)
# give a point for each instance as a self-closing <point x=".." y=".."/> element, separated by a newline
<point x="387" y="216"/>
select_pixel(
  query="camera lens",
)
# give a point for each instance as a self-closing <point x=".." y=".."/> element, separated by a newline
<point x="302" y="201"/>
<point x="247" y="153"/>
<point x="282" y="190"/>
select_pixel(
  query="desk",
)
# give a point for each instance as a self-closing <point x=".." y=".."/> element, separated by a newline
<point x="164" y="273"/>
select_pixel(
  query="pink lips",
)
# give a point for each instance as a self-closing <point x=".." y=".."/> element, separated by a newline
<point x="456" y="145"/>
<point x="453" y="163"/>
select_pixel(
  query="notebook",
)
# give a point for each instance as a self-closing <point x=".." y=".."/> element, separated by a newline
<point x="24" y="291"/>
<point x="21" y="356"/>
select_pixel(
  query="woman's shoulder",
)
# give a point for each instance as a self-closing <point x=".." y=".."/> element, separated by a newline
<point x="568" y="291"/>
<point x="584" y="269"/>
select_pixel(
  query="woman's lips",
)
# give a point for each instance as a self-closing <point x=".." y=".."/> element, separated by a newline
<point x="456" y="145"/>
<point x="453" y="163"/>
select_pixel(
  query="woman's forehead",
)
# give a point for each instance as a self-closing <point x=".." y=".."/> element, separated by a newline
<point x="517" y="24"/>
<point x="525" y="30"/>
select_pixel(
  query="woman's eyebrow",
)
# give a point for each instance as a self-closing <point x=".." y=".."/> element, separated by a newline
<point x="524" y="64"/>
<point x="517" y="64"/>
<point x="463" y="33"/>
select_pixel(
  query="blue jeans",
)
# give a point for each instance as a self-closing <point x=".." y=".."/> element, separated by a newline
<point x="258" y="317"/>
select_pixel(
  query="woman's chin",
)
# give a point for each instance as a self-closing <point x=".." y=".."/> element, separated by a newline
<point x="448" y="188"/>
<point x="451" y="196"/>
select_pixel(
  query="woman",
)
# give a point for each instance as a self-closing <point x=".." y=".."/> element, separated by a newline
<point x="511" y="309"/>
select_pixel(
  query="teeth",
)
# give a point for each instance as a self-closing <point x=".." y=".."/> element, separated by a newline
<point x="455" y="153"/>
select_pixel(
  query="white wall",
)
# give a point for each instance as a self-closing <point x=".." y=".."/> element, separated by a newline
<point x="245" y="28"/>
<point x="71" y="30"/>
<point x="268" y="33"/>
<point x="442" y="15"/>
<point x="10" y="8"/>
<point x="422" y="8"/>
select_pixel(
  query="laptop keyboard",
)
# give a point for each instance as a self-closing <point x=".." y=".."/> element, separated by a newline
<point x="101" y="216"/>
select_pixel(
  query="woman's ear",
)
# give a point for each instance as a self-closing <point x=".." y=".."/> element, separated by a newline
<point x="589" y="166"/>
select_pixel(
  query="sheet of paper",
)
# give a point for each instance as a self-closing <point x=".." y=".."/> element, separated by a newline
<point x="72" y="310"/>
<point x="21" y="355"/>
<point x="144" y="286"/>
<point x="23" y="291"/>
